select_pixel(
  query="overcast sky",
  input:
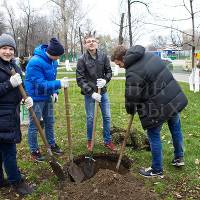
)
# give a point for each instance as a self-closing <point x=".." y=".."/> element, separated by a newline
<point x="105" y="13"/>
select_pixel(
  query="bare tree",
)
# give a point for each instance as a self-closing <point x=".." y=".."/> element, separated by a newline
<point x="28" y="18"/>
<point x="129" y="2"/>
<point x="2" y="24"/>
<point x="189" y="36"/>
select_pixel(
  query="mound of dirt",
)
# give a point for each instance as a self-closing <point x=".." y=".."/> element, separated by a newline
<point x="106" y="185"/>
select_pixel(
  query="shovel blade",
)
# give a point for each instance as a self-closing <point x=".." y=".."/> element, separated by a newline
<point x="76" y="173"/>
<point x="57" y="169"/>
<point x="89" y="167"/>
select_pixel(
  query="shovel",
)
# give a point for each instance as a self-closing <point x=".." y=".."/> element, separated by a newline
<point x="56" y="167"/>
<point x="74" y="171"/>
<point x="89" y="162"/>
<point x="124" y="142"/>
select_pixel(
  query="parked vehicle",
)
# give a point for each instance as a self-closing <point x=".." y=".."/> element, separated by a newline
<point x="165" y="59"/>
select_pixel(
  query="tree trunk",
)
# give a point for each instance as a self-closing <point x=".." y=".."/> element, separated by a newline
<point x="193" y="33"/>
<point x="80" y="38"/>
<point x="121" y="39"/>
<point x="129" y="24"/>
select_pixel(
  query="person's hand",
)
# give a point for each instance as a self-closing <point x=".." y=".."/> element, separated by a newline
<point x="101" y="82"/>
<point x="55" y="98"/>
<point x="28" y="103"/>
<point x="15" y="80"/>
<point x="96" y="97"/>
<point x="64" y="82"/>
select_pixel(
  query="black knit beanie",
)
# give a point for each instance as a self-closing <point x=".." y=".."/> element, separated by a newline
<point x="55" y="48"/>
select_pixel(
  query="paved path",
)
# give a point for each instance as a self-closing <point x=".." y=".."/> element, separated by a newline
<point x="182" y="77"/>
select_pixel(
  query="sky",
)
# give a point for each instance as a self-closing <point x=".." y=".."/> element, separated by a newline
<point x="104" y="15"/>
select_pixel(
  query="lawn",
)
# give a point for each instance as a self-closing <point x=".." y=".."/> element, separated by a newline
<point x="178" y="183"/>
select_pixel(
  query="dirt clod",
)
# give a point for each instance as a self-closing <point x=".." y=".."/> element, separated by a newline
<point x="107" y="185"/>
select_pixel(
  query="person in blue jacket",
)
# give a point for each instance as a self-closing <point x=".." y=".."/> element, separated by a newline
<point x="10" y="133"/>
<point x="42" y="86"/>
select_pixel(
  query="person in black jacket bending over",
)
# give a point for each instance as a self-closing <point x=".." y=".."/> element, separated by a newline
<point x="10" y="133"/>
<point x="154" y="94"/>
<point x="94" y="71"/>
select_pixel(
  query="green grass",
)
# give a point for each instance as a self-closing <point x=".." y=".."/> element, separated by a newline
<point x="183" y="181"/>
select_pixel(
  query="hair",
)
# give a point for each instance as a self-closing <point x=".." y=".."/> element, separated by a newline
<point x="89" y="35"/>
<point x="118" y="53"/>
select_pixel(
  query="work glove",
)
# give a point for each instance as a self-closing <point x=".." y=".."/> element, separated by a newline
<point x="28" y="103"/>
<point x="55" y="98"/>
<point x="96" y="97"/>
<point x="101" y="82"/>
<point x="64" y="82"/>
<point x="15" y="80"/>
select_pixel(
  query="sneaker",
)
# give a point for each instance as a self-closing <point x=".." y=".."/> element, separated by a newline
<point x="178" y="162"/>
<point x="149" y="172"/>
<point x="36" y="156"/>
<point x="22" y="188"/>
<point x="110" y="146"/>
<point x="89" y="145"/>
<point x="56" y="149"/>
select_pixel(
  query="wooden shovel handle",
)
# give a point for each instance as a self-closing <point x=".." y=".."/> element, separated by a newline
<point x="69" y="135"/>
<point x="124" y="141"/>
<point x="35" y="119"/>
<point x="96" y="106"/>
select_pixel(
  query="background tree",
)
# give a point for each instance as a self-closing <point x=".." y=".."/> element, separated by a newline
<point x="2" y="23"/>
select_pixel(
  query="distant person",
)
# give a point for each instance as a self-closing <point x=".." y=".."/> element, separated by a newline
<point x="154" y="94"/>
<point x="10" y="132"/>
<point x="94" y="71"/>
<point x="42" y="86"/>
<point x="23" y="63"/>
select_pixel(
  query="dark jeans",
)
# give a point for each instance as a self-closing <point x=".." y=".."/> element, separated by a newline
<point x="42" y="109"/>
<point x="105" y="110"/>
<point x="174" y="125"/>
<point x="8" y="160"/>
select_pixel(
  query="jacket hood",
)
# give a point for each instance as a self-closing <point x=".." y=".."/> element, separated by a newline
<point x="133" y="54"/>
<point x="41" y="51"/>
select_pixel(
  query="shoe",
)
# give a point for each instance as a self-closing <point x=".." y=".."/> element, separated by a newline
<point x="4" y="183"/>
<point x="110" y="146"/>
<point x="149" y="172"/>
<point x="36" y="156"/>
<point x="56" y="149"/>
<point x="22" y="188"/>
<point x="178" y="162"/>
<point x="89" y="145"/>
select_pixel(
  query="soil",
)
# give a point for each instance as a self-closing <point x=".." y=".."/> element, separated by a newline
<point x="137" y="140"/>
<point x="106" y="182"/>
<point x="107" y="185"/>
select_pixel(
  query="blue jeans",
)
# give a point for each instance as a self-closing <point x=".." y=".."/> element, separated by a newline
<point x="155" y="142"/>
<point x="8" y="160"/>
<point x="42" y="109"/>
<point x="105" y="110"/>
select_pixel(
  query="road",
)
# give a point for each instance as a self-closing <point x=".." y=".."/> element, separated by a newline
<point x="181" y="77"/>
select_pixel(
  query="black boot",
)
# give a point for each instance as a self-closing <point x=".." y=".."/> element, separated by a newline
<point x="4" y="183"/>
<point x="22" y="188"/>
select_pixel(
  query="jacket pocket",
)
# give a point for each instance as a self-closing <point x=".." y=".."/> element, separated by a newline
<point x="8" y="120"/>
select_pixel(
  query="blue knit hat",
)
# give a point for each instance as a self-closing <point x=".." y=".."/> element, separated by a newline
<point x="7" y="40"/>
<point x="55" y="48"/>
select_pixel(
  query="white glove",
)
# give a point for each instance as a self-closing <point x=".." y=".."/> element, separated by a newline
<point x="96" y="97"/>
<point x="28" y="103"/>
<point x="101" y="82"/>
<point x="15" y="80"/>
<point x="55" y="97"/>
<point x="64" y="82"/>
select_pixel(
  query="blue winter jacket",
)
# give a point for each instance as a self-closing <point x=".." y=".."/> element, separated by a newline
<point x="40" y="79"/>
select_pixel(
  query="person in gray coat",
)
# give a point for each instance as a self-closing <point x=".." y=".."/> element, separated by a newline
<point x="155" y="95"/>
